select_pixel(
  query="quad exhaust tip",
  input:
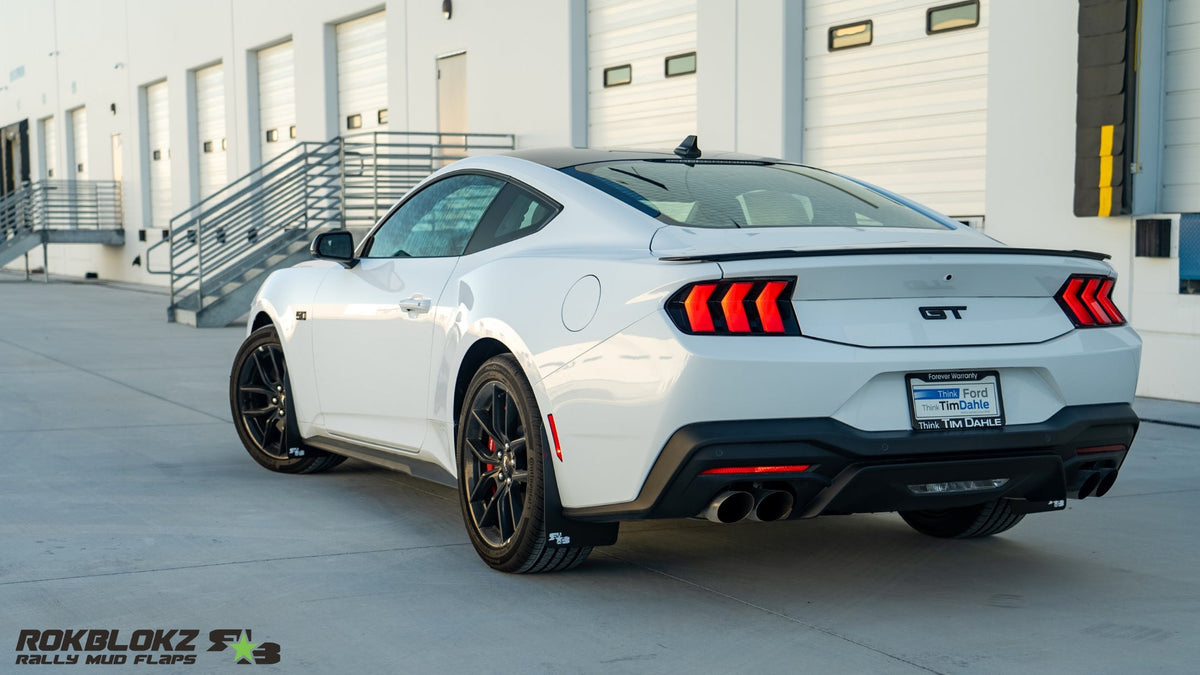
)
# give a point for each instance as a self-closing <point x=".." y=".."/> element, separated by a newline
<point x="1107" y="478"/>
<point x="1088" y="482"/>
<point x="772" y="505"/>
<point x="730" y="507"/>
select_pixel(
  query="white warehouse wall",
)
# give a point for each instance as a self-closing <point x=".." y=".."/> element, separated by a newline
<point x="1031" y="181"/>
<point x="520" y="65"/>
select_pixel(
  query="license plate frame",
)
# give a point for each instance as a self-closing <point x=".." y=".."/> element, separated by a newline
<point x="955" y="400"/>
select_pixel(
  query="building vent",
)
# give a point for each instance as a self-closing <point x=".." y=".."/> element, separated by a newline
<point x="1153" y="238"/>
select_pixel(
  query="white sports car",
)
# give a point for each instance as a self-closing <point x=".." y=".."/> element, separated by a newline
<point x="579" y="337"/>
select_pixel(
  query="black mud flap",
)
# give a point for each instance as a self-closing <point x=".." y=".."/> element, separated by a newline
<point x="561" y="530"/>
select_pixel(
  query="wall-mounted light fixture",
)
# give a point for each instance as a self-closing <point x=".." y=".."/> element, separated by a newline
<point x="447" y="9"/>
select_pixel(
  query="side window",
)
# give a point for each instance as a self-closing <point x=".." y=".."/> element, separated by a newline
<point x="438" y="221"/>
<point x="515" y="214"/>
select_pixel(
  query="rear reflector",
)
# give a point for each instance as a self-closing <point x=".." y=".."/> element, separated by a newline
<point x="1096" y="449"/>
<point x="554" y="435"/>
<point x="1087" y="301"/>
<point x="735" y="307"/>
<point x="754" y="470"/>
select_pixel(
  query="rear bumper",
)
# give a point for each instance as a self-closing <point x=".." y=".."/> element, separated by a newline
<point x="854" y="471"/>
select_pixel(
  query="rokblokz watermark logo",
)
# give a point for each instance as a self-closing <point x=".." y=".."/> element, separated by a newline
<point x="151" y="647"/>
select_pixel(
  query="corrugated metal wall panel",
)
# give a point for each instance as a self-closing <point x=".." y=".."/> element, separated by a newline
<point x="362" y="71"/>
<point x="79" y="144"/>
<point x="1181" y="109"/>
<point x="908" y="112"/>
<point x="158" y="155"/>
<point x="653" y="111"/>
<point x="50" y="139"/>
<point x="276" y="98"/>
<point x="210" y="128"/>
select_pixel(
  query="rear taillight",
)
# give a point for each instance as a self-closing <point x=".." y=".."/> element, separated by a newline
<point x="735" y="307"/>
<point x="1087" y="300"/>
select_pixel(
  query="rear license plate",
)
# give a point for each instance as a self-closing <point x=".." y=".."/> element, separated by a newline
<point x="955" y="400"/>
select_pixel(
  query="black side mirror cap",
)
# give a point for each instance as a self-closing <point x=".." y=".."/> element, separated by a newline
<point x="336" y="245"/>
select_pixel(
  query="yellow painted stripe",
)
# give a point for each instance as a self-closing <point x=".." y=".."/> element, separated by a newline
<point x="1106" y="140"/>
<point x="1106" y="169"/>
<point x="1105" y="202"/>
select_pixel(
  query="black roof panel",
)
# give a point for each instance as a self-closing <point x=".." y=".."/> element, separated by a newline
<point x="560" y="158"/>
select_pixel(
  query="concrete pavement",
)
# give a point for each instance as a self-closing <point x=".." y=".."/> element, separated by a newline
<point x="127" y="503"/>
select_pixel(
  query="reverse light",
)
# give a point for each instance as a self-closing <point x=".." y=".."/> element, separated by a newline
<point x="756" y="470"/>
<point x="735" y="307"/>
<point x="958" y="486"/>
<point x="1087" y="301"/>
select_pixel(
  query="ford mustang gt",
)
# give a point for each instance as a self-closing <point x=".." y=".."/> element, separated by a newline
<point x="575" y="338"/>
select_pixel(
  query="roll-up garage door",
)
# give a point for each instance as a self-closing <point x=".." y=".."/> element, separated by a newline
<point x="210" y="128"/>
<point x="50" y="148"/>
<point x="79" y="144"/>
<point x="276" y="100"/>
<point x="632" y="100"/>
<point x="1181" y="109"/>
<point x="896" y="106"/>
<point x="362" y="74"/>
<point x="158" y="135"/>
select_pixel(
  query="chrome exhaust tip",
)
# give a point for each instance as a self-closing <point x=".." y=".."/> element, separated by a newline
<point x="772" y="505"/>
<point x="730" y="507"/>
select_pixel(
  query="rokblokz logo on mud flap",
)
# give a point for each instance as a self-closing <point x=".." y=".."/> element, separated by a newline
<point x="157" y="646"/>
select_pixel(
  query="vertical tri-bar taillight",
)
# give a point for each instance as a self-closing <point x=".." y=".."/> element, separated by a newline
<point x="1087" y="301"/>
<point x="735" y="307"/>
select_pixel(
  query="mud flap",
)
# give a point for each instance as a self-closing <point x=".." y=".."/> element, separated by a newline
<point x="563" y="531"/>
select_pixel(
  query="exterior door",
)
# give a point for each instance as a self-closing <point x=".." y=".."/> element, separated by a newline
<point x="276" y="100"/>
<point x="373" y="325"/>
<point x="210" y="129"/>
<point x="452" y="105"/>
<point x="79" y="144"/>
<point x="158" y="151"/>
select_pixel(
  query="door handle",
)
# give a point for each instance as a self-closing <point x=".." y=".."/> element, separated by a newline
<point x="414" y="304"/>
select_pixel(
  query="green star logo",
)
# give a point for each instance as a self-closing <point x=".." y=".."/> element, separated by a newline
<point x="243" y="649"/>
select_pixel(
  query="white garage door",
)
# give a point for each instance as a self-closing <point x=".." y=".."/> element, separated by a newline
<point x="276" y="100"/>
<point x="642" y="107"/>
<point x="158" y="127"/>
<point x="79" y="144"/>
<point x="1181" y="109"/>
<point x="50" y="149"/>
<point x="210" y="128"/>
<point x="362" y="74"/>
<point x="908" y="111"/>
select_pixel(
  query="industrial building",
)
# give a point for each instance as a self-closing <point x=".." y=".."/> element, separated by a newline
<point x="198" y="144"/>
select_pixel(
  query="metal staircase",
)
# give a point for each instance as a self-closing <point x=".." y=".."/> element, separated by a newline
<point x="222" y="249"/>
<point x="60" y="212"/>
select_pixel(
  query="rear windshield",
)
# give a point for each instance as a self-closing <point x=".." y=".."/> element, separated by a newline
<point x="747" y="194"/>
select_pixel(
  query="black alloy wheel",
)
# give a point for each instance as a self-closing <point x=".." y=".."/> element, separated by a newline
<point x="501" y="491"/>
<point x="259" y="391"/>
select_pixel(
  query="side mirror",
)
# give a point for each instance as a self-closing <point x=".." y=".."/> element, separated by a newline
<point x="337" y="245"/>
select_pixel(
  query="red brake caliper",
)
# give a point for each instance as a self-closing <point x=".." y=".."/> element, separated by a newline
<point x="491" y="450"/>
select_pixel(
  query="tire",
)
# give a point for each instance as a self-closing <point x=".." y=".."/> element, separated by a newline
<point x="263" y="412"/>
<point x="967" y="522"/>
<point x="499" y="449"/>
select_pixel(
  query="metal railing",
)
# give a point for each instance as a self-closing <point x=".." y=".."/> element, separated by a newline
<point x="381" y="167"/>
<point x="222" y="241"/>
<point x="60" y="205"/>
<point x="250" y="220"/>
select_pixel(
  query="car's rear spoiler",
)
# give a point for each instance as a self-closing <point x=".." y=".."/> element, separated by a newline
<point x="888" y="250"/>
